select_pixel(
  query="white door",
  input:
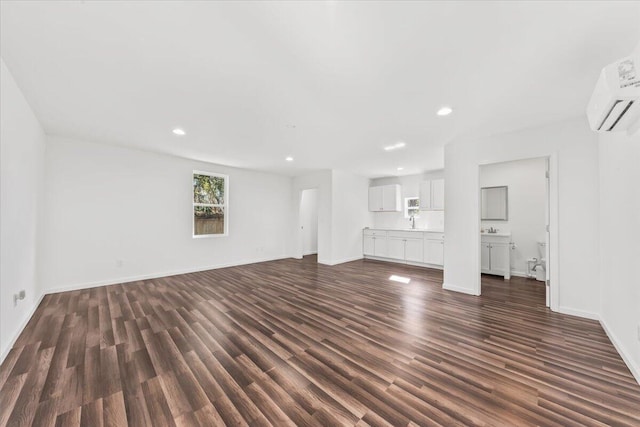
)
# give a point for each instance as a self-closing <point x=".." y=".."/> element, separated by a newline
<point x="547" y="237"/>
<point x="368" y="246"/>
<point x="395" y="248"/>
<point x="485" y="257"/>
<point x="413" y="250"/>
<point x="309" y="221"/>
<point x="375" y="199"/>
<point x="437" y="194"/>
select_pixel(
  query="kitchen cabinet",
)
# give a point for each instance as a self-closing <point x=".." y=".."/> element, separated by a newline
<point x="385" y="198"/>
<point x="395" y="248"/>
<point x="374" y="243"/>
<point x="404" y="246"/>
<point x="434" y="248"/>
<point x="495" y="255"/>
<point x="413" y="249"/>
<point x="432" y="195"/>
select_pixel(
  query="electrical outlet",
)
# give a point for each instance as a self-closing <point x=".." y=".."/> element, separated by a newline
<point x="19" y="296"/>
<point x="119" y="263"/>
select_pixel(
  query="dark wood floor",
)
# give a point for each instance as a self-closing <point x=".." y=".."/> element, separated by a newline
<point x="295" y="343"/>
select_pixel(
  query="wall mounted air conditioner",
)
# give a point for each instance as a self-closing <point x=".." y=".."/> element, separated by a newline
<point x="615" y="103"/>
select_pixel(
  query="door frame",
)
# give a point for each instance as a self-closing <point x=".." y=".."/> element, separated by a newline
<point x="552" y="283"/>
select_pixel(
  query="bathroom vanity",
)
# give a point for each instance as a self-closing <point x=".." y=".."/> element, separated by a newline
<point x="496" y="254"/>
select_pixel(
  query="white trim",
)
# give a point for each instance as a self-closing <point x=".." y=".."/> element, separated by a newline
<point x="553" y="265"/>
<point x="579" y="313"/>
<point x="342" y="261"/>
<point x="124" y="280"/>
<point x="6" y="351"/>
<point x="310" y="253"/>
<point x="635" y="369"/>
<point x="454" y="288"/>
<point x="554" y="223"/>
<point x="399" y="261"/>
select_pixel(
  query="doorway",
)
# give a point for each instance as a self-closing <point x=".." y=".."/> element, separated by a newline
<point x="515" y="220"/>
<point x="309" y="221"/>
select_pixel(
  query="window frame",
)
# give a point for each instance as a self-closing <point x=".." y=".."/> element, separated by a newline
<point x="406" y="207"/>
<point x="224" y="205"/>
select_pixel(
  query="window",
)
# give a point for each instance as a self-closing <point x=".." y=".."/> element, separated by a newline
<point x="210" y="198"/>
<point x="411" y="207"/>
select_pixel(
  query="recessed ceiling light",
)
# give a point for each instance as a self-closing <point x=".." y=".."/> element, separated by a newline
<point x="289" y="159"/>
<point x="445" y="111"/>
<point x="179" y="132"/>
<point x="394" y="146"/>
<point x="400" y="168"/>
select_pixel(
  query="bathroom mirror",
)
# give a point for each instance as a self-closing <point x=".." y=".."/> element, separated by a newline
<point x="494" y="203"/>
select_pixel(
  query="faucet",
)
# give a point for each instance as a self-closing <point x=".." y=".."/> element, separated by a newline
<point x="413" y="222"/>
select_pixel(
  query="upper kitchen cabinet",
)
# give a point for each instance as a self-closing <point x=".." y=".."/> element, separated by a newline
<point x="432" y="195"/>
<point x="385" y="198"/>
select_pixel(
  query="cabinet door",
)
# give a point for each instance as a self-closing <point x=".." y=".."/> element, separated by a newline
<point x="499" y="258"/>
<point x="437" y="194"/>
<point x="375" y="199"/>
<point x="425" y="195"/>
<point x="368" y="247"/>
<point x="395" y="248"/>
<point x="413" y="250"/>
<point x="380" y="248"/>
<point x="485" y="258"/>
<point x="434" y="252"/>
<point x="391" y="198"/>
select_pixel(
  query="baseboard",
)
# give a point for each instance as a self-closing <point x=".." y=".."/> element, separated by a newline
<point x="129" y="279"/>
<point x="309" y="253"/>
<point x="342" y="261"/>
<point x="397" y="261"/>
<point x="6" y="351"/>
<point x="635" y="369"/>
<point x="460" y="289"/>
<point x="580" y="313"/>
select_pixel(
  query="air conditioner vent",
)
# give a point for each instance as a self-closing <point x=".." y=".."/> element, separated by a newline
<point x="615" y="113"/>
<point x="614" y="105"/>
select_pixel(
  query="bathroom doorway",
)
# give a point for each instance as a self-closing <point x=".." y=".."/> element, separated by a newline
<point x="515" y="219"/>
<point x="309" y="221"/>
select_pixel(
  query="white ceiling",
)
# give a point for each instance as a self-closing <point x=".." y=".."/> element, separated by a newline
<point x="352" y="77"/>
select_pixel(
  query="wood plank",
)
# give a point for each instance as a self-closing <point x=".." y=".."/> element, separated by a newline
<point x="292" y="342"/>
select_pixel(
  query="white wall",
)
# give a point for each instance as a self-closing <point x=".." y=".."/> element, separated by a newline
<point x="526" y="206"/>
<point x="106" y="203"/>
<point x="342" y="214"/>
<point x="410" y="184"/>
<point x="576" y="150"/>
<point x="620" y="243"/>
<point x="309" y="221"/>
<point x="350" y="214"/>
<point x="22" y="147"/>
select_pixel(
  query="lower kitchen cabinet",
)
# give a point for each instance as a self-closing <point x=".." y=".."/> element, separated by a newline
<point x="405" y="246"/>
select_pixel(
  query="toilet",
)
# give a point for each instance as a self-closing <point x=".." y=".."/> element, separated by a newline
<point x="541" y="267"/>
